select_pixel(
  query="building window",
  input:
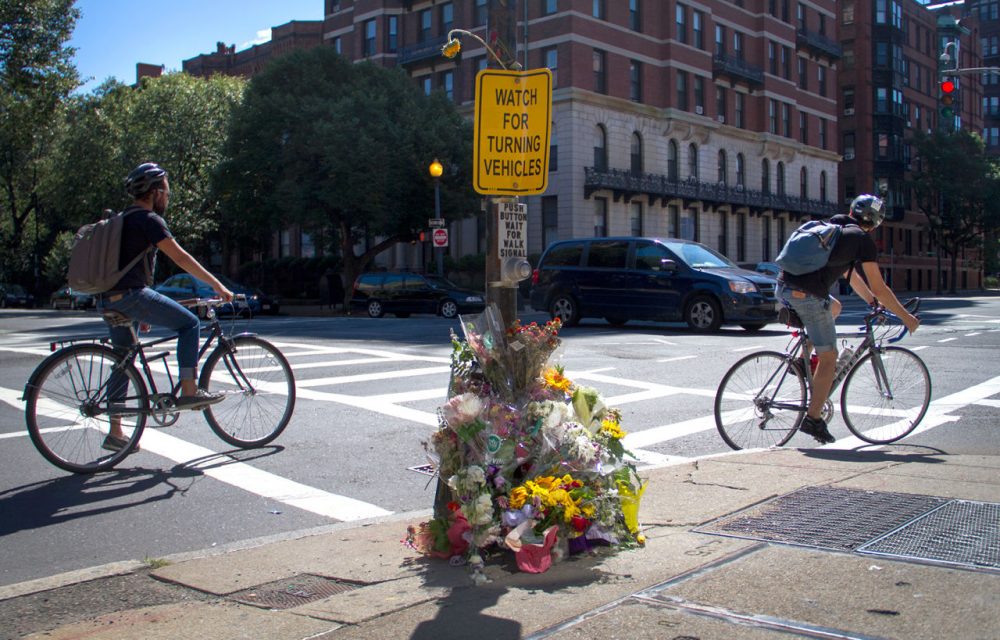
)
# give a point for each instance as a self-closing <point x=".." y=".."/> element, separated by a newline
<point x="847" y="12"/>
<point x="338" y="45"/>
<point x="822" y="133"/>
<point x="635" y="154"/>
<point x="765" y="238"/>
<point x="786" y="120"/>
<point x="672" y="161"/>
<point x="482" y="12"/>
<point x="600" y="217"/>
<point x="635" y="80"/>
<point x="881" y="100"/>
<point x="448" y="84"/>
<point x="849" y="146"/>
<point x="720" y="40"/>
<point x="822" y="186"/>
<point x="550" y="220"/>
<point x="600" y="148"/>
<point x="738" y="49"/>
<point x="598" y="10"/>
<point x="786" y="63"/>
<point x="765" y="176"/>
<point x="698" y="29"/>
<point x="693" y="162"/>
<point x="804" y="184"/>
<point x="848" y="100"/>
<point x="682" y="91"/>
<point x="690" y="225"/>
<point x="447" y="17"/>
<point x="551" y="56"/>
<point x="803" y="74"/>
<point x="772" y="116"/>
<point x="881" y="11"/>
<point x="781" y="178"/>
<point x="307" y="248"/>
<point x="723" y="233"/>
<point x="635" y="218"/>
<point x="821" y="79"/>
<point x="699" y="95"/>
<point x="426" y="22"/>
<point x="673" y="221"/>
<point x="681" y="20"/>
<point x="428" y="85"/>
<point x="720" y="103"/>
<point x="553" y="149"/>
<point x="741" y="172"/>
<point x="772" y="58"/>
<point x="803" y="128"/>
<point x="723" y="169"/>
<point x="741" y="110"/>
<point x="600" y="78"/>
<point x="634" y="15"/>
<point x="800" y="15"/>
<point x="548" y="6"/>
<point x="370" y="33"/>
<point x="741" y="237"/>
<point x="392" y="35"/>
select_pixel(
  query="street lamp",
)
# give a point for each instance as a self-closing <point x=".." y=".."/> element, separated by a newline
<point x="436" y="170"/>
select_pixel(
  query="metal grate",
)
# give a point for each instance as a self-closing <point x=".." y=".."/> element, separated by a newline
<point x="825" y="517"/>
<point x="960" y="532"/>
<point x="292" y="592"/>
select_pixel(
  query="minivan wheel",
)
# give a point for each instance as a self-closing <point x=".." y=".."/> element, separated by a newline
<point x="449" y="309"/>
<point x="375" y="309"/>
<point x="703" y="314"/>
<point x="564" y="307"/>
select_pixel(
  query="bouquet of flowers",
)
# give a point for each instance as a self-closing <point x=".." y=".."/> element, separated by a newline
<point x="531" y="462"/>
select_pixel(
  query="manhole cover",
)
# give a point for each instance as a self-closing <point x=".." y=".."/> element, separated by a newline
<point x="292" y="592"/>
<point x="825" y="517"/>
<point x="960" y="532"/>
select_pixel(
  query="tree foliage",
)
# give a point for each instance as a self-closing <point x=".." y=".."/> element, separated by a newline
<point x="957" y="187"/>
<point x="342" y="149"/>
<point x="36" y="76"/>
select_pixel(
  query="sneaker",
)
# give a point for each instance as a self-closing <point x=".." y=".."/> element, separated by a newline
<point x="816" y="427"/>
<point x="199" y="400"/>
<point x="113" y="443"/>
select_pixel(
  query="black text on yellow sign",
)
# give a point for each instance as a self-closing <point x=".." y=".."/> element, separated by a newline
<point x="513" y="131"/>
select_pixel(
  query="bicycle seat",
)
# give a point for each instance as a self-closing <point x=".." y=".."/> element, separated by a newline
<point x="788" y="316"/>
<point x="116" y="318"/>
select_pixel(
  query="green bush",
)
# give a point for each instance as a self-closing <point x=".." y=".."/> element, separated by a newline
<point x="991" y="282"/>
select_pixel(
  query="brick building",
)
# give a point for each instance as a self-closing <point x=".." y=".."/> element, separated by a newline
<point x="297" y="34"/>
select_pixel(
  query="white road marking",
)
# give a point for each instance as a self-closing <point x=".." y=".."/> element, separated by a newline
<point x="947" y="339"/>
<point x="677" y="359"/>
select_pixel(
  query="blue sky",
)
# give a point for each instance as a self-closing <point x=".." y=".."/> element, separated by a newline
<point x="111" y="36"/>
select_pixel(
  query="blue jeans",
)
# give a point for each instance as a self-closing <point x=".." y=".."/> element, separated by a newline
<point x="146" y="305"/>
<point x="815" y="314"/>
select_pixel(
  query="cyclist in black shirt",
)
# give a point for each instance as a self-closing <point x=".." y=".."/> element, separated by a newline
<point x="145" y="231"/>
<point x="856" y="255"/>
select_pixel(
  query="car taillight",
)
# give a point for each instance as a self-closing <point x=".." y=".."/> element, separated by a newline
<point x="534" y="277"/>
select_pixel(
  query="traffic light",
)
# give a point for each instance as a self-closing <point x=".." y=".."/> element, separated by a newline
<point x="946" y="103"/>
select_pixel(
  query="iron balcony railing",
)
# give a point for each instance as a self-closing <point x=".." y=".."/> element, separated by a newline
<point x="655" y="186"/>
<point x="734" y="67"/>
<point x="421" y="51"/>
<point x="818" y="43"/>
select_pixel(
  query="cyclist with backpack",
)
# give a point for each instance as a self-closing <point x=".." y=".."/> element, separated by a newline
<point x="144" y="231"/>
<point x="808" y="294"/>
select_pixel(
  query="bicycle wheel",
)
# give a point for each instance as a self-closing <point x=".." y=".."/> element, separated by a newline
<point x="68" y="412"/>
<point x="886" y="395"/>
<point x="260" y="390"/>
<point x="761" y="401"/>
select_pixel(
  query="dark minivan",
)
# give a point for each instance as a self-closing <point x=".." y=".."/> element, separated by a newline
<point x="405" y="293"/>
<point x="665" y="279"/>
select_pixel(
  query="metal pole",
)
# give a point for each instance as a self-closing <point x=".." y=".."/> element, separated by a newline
<point x="437" y="214"/>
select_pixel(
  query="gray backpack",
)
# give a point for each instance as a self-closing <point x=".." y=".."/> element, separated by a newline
<point x="94" y="259"/>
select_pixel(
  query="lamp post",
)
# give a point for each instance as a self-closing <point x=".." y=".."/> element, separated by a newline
<point x="436" y="170"/>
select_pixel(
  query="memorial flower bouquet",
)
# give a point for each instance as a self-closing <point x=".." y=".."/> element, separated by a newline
<point x="529" y="461"/>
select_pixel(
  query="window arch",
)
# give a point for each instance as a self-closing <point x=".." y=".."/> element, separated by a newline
<point x="636" y="153"/>
<point x="673" y="171"/>
<point x="765" y="176"/>
<point x="741" y="171"/>
<point x="723" y="167"/>
<point x="804" y="184"/>
<point x="780" y="176"/>
<point x="600" y="148"/>
<point x="693" y="161"/>
<point x="822" y="186"/>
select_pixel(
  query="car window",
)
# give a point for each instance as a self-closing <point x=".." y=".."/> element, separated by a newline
<point x="564" y="255"/>
<point x="649" y="256"/>
<point x="698" y="256"/>
<point x="608" y="254"/>
<point x="414" y="283"/>
<point x="392" y="282"/>
<point x="439" y="282"/>
<point x="368" y="282"/>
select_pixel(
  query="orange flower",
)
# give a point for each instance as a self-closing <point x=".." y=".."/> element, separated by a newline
<point x="556" y="380"/>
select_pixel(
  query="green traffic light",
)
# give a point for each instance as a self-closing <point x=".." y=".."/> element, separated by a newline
<point x="947" y="113"/>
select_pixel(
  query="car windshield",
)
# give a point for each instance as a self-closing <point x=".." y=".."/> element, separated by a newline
<point x="698" y="256"/>
<point x="439" y="282"/>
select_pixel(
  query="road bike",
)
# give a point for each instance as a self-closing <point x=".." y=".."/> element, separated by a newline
<point x="763" y="398"/>
<point x="74" y="394"/>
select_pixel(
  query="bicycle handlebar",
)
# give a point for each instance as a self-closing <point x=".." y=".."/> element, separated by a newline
<point x="209" y="302"/>
<point x="880" y="312"/>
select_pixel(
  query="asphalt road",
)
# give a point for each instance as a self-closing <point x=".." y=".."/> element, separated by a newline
<point x="368" y="391"/>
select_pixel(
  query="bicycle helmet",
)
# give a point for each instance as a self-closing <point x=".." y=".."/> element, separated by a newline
<point x="144" y="178"/>
<point x="869" y="210"/>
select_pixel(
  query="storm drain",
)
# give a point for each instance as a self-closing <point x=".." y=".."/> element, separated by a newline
<point x="292" y="592"/>
<point x="960" y="532"/>
<point x="825" y="517"/>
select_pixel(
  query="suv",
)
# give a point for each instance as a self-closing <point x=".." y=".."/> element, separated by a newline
<point x="405" y="293"/>
<point x="622" y="279"/>
<point x="14" y="295"/>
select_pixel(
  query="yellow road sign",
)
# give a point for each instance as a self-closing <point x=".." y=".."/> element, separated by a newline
<point x="513" y="129"/>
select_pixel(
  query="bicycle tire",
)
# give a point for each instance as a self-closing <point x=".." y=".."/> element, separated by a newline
<point x="249" y="417"/>
<point x="67" y="422"/>
<point x="747" y="424"/>
<point x="872" y="416"/>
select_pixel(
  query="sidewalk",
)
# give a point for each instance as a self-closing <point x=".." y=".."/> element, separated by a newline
<point x="810" y="511"/>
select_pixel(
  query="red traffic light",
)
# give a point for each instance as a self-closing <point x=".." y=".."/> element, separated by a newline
<point x="947" y="87"/>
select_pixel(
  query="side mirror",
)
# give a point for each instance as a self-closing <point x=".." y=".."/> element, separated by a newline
<point x="668" y="265"/>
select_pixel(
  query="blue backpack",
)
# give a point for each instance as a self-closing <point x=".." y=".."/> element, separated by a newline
<point x="808" y="248"/>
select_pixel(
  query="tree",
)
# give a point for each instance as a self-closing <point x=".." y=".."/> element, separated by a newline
<point x="36" y="75"/>
<point x="957" y="187"/>
<point x="343" y="149"/>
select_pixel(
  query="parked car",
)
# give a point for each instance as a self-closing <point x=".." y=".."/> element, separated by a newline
<point x="405" y="293"/>
<point x="632" y="278"/>
<point x="14" y="295"/>
<point x="67" y="298"/>
<point x="258" y="301"/>
<point x="768" y="268"/>
<point x="185" y="286"/>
